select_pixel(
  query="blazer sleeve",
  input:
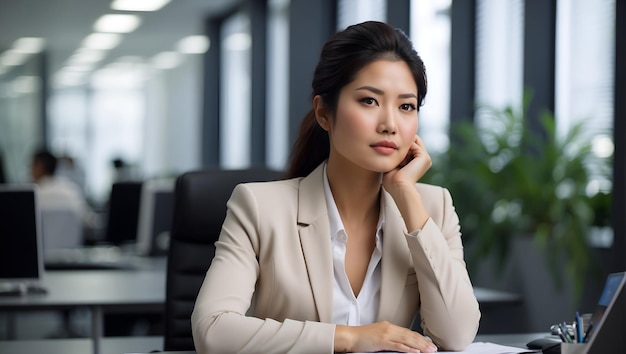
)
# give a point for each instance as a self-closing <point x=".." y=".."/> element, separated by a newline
<point x="449" y="310"/>
<point x="219" y="320"/>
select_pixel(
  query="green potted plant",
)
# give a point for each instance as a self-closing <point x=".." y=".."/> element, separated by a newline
<point x="511" y="182"/>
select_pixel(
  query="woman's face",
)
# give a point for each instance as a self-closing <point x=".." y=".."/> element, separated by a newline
<point x="376" y="118"/>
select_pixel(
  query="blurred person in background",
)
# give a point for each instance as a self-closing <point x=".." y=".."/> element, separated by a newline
<point x="55" y="191"/>
<point x="64" y="210"/>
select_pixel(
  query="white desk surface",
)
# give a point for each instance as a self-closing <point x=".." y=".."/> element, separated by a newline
<point x="104" y="288"/>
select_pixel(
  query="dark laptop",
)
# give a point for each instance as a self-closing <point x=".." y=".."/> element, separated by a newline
<point x="605" y="333"/>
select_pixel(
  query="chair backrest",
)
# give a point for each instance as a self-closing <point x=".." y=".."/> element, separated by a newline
<point x="61" y="229"/>
<point x="199" y="210"/>
<point x="123" y="213"/>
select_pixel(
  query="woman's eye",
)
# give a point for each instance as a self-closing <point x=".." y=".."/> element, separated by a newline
<point x="368" y="101"/>
<point x="407" y="107"/>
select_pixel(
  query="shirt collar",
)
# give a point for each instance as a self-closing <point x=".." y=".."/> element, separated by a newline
<point x="334" y="219"/>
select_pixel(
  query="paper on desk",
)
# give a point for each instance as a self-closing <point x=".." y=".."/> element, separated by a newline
<point x="485" y="348"/>
<point x="490" y="348"/>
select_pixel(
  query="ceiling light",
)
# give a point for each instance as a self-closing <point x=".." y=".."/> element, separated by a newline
<point x="194" y="45"/>
<point x="138" y="5"/>
<point x="12" y="58"/>
<point x="29" y="45"/>
<point x="79" y="67"/>
<point x="117" y="23"/>
<point x="65" y="78"/>
<point x="84" y="55"/>
<point x="166" y="60"/>
<point x="102" y="41"/>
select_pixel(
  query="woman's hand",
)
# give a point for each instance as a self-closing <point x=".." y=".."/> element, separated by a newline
<point x="411" y="169"/>
<point x="400" y="183"/>
<point x="381" y="336"/>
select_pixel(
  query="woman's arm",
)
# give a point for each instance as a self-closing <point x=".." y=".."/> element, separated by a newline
<point x="449" y="310"/>
<point x="219" y="320"/>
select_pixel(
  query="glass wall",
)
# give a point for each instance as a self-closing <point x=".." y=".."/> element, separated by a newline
<point x="277" y="85"/>
<point x="499" y="54"/>
<point x="585" y="52"/>
<point x="350" y="12"/>
<point x="21" y="121"/>
<point x="585" y="72"/>
<point x="430" y="32"/>
<point x="235" y="89"/>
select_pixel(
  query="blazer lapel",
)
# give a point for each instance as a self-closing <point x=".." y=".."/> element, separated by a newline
<point x="395" y="259"/>
<point x="314" y="229"/>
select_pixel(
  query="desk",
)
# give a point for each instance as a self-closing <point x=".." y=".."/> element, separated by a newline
<point x="119" y="345"/>
<point x="98" y="290"/>
<point x="140" y="290"/>
<point x="518" y="340"/>
<point x="109" y="345"/>
<point x="488" y="297"/>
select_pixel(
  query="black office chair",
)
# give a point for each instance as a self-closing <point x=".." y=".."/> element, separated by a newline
<point x="199" y="210"/>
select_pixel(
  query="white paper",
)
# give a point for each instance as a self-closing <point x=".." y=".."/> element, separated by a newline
<point x="491" y="348"/>
<point x="485" y="348"/>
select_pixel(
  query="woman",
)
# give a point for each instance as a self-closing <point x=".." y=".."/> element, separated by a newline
<point x="343" y="255"/>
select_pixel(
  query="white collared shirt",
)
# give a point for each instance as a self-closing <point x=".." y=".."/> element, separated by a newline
<point x="348" y="309"/>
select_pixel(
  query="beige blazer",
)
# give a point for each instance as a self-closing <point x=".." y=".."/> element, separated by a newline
<point x="270" y="286"/>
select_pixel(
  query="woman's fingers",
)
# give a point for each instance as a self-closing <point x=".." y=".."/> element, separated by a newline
<point x="383" y="336"/>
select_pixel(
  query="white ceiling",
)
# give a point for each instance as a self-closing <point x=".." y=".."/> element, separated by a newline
<point x="65" y="23"/>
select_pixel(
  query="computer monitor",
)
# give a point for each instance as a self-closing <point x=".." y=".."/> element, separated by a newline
<point x="608" y="321"/>
<point x="156" y="210"/>
<point x="21" y="251"/>
<point x="123" y="213"/>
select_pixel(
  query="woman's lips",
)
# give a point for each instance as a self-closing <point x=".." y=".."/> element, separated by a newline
<point x="384" y="147"/>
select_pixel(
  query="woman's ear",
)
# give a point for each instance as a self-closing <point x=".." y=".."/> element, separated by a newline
<point x="321" y="114"/>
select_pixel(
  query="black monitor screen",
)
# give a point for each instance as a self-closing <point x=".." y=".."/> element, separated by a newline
<point x="19" y="258"/>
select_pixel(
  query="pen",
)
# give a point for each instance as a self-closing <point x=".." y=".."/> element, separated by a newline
<point x="579" y="328"/>
<point x="588" y="333"/>
<point x="558" y="330"/>
<point x="565" y="332"/>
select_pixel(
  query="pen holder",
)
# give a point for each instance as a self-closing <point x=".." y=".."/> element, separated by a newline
<point x="574" y="348"/>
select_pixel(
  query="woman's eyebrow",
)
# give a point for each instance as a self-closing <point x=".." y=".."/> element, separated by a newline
<point x="381" y="92"/>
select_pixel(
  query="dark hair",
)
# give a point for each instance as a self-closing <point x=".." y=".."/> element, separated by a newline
<point x="47" y="160"/>
<point x="342" y="57"/>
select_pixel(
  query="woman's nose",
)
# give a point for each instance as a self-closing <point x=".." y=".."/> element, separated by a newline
<point x="387" y="124"/>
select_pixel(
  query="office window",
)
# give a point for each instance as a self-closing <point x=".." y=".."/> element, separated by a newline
<point x="21" y="128"/>
<point x="115" y="130"/>
<point x="68" y="121"/>
<point x="585" y="52"/>
<point x="277" y="114"/>
<point x="235" y="90"/>
<point x="67" y="130"/>
<point x="499" y="54"/>
<point x="430" y="33"/>
<point x="350" y="12"/>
